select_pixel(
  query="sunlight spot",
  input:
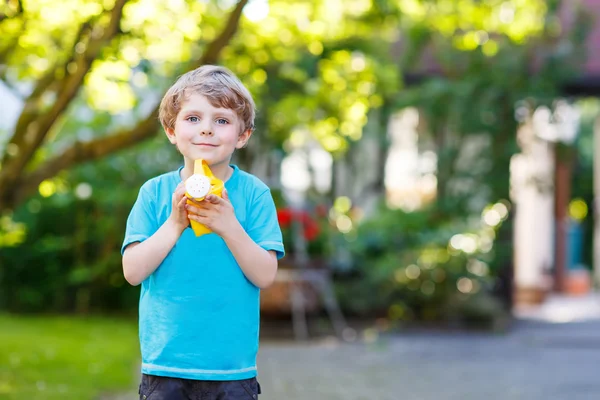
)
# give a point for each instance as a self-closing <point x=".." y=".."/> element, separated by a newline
<point x="80" y="47"/>
<point x="477" y="267"/>
<point x="507" y="13"/>
<point x="578" y="210"/>
<point x="257" y="10"/>
<point x="342" y="204"/>
<point x="344" y="223"/>
<point x="482" y="37"/>
<point x="83" y="191"/>
<point x="47" y="188"/>
<point x="464" y="285"/>
<point x="358" y="62"/>
<point x="12" y="149"/>
<point x="259" y="76"/>
<point x="140" y="79"/>
<point x="413" y="271"/>
<point x="72" y="67"/>
<point x="464" y="242"/>
<point x="492" y="217"/>
<point x="333" y="143"/>
<point x="315" y="48"/>
<point x="501" y="209"/>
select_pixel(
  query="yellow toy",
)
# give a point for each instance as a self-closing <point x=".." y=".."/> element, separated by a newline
<point x="198" y="186"/>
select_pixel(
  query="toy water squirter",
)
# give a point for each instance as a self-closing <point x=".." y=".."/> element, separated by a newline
<point x="198" y="186"/>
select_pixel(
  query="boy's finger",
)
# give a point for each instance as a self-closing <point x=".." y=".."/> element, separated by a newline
<point x="192" y="209"/>
<point x="196" y="203"/>
<point x="211" y="198"/>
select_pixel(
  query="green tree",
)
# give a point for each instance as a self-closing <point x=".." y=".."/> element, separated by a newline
<point x="87" y="51"/>
<point x="488" y="58"/>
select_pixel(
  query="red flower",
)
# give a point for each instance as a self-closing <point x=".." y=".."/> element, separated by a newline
<point x="311" y="228"/>
<point x="285" y="217"/>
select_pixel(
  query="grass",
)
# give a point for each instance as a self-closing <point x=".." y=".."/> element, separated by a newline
<point x="48" y="358"/>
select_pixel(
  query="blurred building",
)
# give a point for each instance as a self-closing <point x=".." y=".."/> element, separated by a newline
<point x="542" y="222"/>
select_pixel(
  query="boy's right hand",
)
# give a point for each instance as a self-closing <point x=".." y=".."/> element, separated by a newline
<point x="179" y="216"/>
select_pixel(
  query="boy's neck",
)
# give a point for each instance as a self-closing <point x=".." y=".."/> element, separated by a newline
<point x="222" y="171"/>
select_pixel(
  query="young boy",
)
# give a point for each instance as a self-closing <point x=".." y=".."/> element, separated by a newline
<point x="199" y="302"/>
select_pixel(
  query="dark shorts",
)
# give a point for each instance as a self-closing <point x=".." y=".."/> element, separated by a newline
<point x="164" y="388"/>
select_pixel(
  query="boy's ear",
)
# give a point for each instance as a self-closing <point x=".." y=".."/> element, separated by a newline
<point x="243" y="139"/>
<point x="171" y="135"/>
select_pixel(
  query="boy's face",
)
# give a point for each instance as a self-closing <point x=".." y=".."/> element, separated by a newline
<point x="204" y="131"/>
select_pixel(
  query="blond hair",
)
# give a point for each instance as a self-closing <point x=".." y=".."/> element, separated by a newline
<point x="220" y="86"/>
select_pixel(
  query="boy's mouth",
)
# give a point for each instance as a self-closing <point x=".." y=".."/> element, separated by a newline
<point x="205" y="145"/>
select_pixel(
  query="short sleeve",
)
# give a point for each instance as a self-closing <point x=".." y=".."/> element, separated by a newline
<point x="263" y="226"/>
<point x="142" y="221"/>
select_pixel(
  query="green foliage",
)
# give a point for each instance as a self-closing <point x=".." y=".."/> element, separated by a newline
<point x="70" y="258"/>
<point x="63" y="358"/>
<point x="316" y="71"/>
<point x="420" y="266"/>
<point x="310" y="69"/>
<point x="488" y="59"/>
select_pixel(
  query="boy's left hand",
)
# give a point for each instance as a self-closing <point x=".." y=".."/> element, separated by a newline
<point x="214" y="212"/>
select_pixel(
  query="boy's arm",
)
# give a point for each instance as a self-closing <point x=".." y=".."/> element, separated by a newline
<point x="258" y="264"/>
<point x="140" y="260"/>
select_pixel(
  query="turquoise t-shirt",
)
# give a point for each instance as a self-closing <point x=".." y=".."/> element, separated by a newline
<point x="198" y="313"/>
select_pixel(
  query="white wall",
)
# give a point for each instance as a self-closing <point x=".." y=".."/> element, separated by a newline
<point x="533" y="194"/>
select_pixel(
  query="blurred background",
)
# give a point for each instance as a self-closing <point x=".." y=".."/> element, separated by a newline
<point x="432" y="163"/>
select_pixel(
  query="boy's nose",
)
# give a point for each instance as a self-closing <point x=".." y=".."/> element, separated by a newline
<point x="206" y="128"/>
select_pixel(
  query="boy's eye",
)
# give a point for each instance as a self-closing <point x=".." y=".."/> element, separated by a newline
<point x="193" y="119"/>
<point x="222" y="121"/>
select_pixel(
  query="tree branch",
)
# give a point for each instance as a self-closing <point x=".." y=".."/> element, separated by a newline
<point x="213" y="51"/>
<point x="32" y="126"/>
<point x="15" y="8"/>
<point x="81" y="152"/>
<point x="50" y="77"/>
<point x="75" y="70"/>
<point x="31" y="111"/>
<point x="87" y="151"/>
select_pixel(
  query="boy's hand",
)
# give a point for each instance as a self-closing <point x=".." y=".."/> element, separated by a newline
<point x="215" y="213"/>
<point x="179" y="217"/>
